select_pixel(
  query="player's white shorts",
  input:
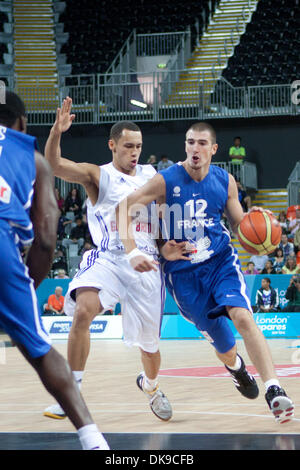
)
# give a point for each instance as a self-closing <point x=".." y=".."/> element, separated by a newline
<point x="141" y="295"/>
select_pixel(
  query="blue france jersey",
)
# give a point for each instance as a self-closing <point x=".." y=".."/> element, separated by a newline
<point x="17" y="176"/>
<point x="193" y="213"/>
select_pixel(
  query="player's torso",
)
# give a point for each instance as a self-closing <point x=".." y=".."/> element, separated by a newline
<point x="17" y="176"/>
<point x="115" y="186"/>
<point x="194" y="212"/>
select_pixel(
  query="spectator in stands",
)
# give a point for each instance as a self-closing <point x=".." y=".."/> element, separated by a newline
<point x="63" y="222"/>
<point x="278" y="261"/>
<point x="286" y="246"/>
<point x="297" y="241"/>
<point x="251" y="268"/>
<point x="244" y="198"/>
<point x="73" y="202"/>
<point x="61" y="274"/>
<point x="268" y="269"/>
<point x="237" y="153"/>
<point x="259" y="261"/>
<point x="55" y="305"/>
<point x="78" y="234"/>
<point x="283" y="221"/>
<point x="290" y="266"/>
<point x="59" y="260"/>
<point x="152" y="161"/>
<point x="294" y="224"/>
<point x="267" y="299"/>
<point x="164" y="163"/>
<point x="292" y="294"/>
<point x="86" y="247"/>
<point x="60" y="200"/>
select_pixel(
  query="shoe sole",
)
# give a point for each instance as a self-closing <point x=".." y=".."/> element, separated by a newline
<point x="283" y="409"/>
<point x="54" y="416"/>
<point x="159" y="417"/>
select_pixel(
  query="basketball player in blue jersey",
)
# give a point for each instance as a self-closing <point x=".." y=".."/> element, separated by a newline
<point x="208" y="287"/>
<point x="28" y="217"/>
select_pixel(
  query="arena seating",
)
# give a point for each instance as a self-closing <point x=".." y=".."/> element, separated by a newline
<point x="268" y="52"/>
<point x="98" y="29"/>
<point x="3" y="45"/>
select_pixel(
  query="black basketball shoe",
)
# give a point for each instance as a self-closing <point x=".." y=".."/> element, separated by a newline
<point x="280" y="404"/>
<point x="244" y="382"/>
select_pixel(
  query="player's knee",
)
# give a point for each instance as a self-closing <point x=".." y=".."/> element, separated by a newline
<point x="150" y="355"/>
<point x="242" y="318"/>
<point x="83" y="316"/>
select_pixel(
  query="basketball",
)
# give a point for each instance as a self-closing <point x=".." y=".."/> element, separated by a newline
<point x="259" y="233"/>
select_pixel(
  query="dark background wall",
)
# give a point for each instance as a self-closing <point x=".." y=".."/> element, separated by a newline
<point x="271" y="143"/>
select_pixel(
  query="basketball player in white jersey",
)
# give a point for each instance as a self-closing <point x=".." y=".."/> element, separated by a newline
<point x="105" y="276"/>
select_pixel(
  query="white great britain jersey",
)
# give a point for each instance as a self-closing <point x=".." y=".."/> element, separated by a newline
<point x="113" y="187"/>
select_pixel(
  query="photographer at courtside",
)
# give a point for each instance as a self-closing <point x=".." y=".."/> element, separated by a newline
<point x="293" y="295"/>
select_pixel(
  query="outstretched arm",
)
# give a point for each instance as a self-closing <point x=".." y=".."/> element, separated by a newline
<point x="83" y="173"/>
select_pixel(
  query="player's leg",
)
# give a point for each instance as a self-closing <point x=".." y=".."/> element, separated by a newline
<point x="147" y="381"/>
<point x="230" y="292"/>
<point x="21" y="319"/>
<point x="58" y="380"/>
<point x="142" y="313"/>
<point x="84" y="303"/>
<point x="197" y="304"/>
<point x="255" y="342"/>
<point x="88" y="306"/>
<point x="260" y="355"/>
<point x="151" y="363"/>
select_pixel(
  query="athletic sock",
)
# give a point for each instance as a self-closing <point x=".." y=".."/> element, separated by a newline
<point x="78" y="376"/>
<point x="237" y="365"/>
<point x="271" y="382"/>
<point x="91" y="438"/>
<point x="149" y="384"/>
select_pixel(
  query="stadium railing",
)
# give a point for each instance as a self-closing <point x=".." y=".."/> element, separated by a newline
<point x="293" y="186"/>
<point x="155" y="96"/>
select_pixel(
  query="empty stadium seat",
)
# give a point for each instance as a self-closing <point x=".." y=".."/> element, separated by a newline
<point x="270" y="43"/>
<point x="95" y="38"/>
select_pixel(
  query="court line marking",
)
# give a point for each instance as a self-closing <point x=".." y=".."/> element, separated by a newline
<point x="210" y="413"/>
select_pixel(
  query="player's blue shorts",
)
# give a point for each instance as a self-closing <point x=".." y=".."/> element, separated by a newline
<point x="203" y="292"/>
<point x="19" y="310"/>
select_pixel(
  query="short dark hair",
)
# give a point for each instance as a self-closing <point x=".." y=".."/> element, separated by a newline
<point x="204" y="126"/>
<point x="118" y="127"/>
<point x="13" y="109"/>
<point x="267" y="279"/>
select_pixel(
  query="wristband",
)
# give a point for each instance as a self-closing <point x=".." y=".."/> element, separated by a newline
<point x="136" y="252"/>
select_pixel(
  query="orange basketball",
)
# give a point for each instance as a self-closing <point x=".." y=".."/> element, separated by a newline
<point x="259" y="233"/>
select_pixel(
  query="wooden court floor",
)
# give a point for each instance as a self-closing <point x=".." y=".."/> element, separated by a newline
<point x="200" y="404"/>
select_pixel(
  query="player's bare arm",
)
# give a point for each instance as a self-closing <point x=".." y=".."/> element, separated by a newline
<point x="233" y="210"/>
<point x="85" y="174"/>
<point x="154" y="190"/>
<point x="44" y="216"/>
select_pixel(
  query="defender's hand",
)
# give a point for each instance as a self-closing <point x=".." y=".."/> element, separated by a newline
<point x="64" y="118"/>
